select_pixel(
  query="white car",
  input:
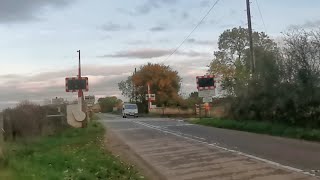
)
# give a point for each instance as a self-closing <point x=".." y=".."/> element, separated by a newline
<point x="129" y="110"/>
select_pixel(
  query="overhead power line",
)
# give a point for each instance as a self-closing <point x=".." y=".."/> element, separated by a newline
<point x="197" y="25"/>
<point x="264" y="25"/>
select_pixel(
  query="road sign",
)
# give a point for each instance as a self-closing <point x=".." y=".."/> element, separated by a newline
<point x="205" y="82"/>
<point x="90" y="100"/>
<point x="151" y="96"/>
<point x="207" y="99"/>
<point x="207" y="93"/>
<point x="74" y="84"/>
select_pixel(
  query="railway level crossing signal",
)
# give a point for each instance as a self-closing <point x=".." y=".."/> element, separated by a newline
<point x="75" y="84"/>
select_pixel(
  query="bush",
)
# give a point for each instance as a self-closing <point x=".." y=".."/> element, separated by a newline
<point x="28" y="119"/>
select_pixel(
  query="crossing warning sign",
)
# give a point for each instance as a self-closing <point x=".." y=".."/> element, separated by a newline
<point x="74" y="84"/>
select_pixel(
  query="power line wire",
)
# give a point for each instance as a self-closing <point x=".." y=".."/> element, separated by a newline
<point x="202" y="19"/>
<point x="264" y="25"/>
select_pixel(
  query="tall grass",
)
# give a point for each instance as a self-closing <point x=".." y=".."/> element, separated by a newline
<point x="73" y="154"/>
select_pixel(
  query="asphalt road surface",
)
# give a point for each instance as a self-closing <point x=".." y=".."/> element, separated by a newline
<point x="180" y="150"/>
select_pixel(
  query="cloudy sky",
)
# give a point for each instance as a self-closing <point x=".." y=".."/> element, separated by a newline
<point x="39" y="39"/>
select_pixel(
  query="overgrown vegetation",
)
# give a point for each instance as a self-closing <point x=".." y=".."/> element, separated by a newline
<point x="28" y="119"/>
<point x="108" y="103"/>
<point x="285" y="87"/>
<point x="73" y="154"/>
<point x="275" y="129"/>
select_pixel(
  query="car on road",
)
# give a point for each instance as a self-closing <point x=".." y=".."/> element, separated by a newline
<point x="129" y="110"/>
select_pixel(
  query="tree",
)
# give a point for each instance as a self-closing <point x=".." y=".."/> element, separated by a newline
<point x="108" y="103"/>
<point x="126" y="88"/>
<point x="286" y="83"/>
<point x="301" y="74"/>
<point x="232" y="60"/>
<point x="164" y="82"/>
<point x="233" y="45"/>
<point x="193" y="99"/>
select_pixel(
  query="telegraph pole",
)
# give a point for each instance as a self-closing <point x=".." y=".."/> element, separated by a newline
<point x="253" y="61"/>
<point x="80" y="94"/>
<point x="135" y="88"/>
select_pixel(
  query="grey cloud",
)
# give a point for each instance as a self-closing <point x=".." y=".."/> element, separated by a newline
<point x="185" y="15"/>
<point x="306" y="25"/>
<point x="172" y="11"/>
<point x="105" y="37"/>
<point x="10" y="76"/>
<point x="152" y="53"/>
<point x="228" y="26"/>
<point x="138" y="42"/>
<point x="26" y="10"/>
<point x="105" y="87"/>
<point x="201" y="42"/>
<point x="204" y="3"/>
<point x="148" y="6"/>
<point x="161" y="27"/>
<point x="191" y="53"/>
<point x="110" y="26"/>
<point x="164" y="41"/>
<point x="102" y="81"/>
<point x="125" y="11"/>
<point x="140" y="53"/>
<point x="141" y="42"/>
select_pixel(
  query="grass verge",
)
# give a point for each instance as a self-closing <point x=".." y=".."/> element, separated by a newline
<point x="74" y="154"/>
<point x="262" y="128"/>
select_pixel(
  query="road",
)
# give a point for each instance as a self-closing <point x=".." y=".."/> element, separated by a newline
<point x="180" y="150"/>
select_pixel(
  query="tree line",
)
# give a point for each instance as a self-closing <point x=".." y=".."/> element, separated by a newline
<point x="284" y="88"/>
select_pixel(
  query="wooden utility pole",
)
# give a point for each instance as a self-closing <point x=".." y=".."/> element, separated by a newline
<point x="80" y="95"/>
<point x="253" y="61"/>
<point x="135" y="88"/>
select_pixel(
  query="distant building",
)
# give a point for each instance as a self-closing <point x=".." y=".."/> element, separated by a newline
<point x="57" y="101"/>
<point x="46" y="102"/>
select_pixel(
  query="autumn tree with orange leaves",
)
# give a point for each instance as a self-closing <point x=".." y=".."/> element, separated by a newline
<point x="164" y="82"/>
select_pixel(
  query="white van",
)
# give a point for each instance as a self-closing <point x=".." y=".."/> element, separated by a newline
<point x="129" y="110"/>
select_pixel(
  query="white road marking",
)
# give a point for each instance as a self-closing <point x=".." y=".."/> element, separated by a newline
<point x="226" y="149"/>
<point x="129" y="129"/>
<point x="118" y="120"/>
<point x="178" y="125"/>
